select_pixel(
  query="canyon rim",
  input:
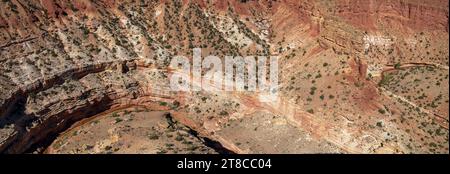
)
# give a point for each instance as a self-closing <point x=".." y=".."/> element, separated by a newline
<point x="362" y="76"/>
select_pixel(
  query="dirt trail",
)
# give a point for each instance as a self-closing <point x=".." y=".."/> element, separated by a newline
<point x="441" y="117"/>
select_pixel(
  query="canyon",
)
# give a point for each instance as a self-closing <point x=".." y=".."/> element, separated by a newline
<point x="363" y="76"/>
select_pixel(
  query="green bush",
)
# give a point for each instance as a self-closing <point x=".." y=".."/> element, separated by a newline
<point x="381" y="111"/>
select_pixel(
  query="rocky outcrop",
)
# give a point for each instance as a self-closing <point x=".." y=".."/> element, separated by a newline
<point x="402" y="15"/>
<point x="43" y="111"/>
<point x="63" y="61"/>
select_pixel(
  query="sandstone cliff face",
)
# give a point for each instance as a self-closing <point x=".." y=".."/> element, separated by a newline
<point x="388" y="32"/>
<point x="399" y="15"/>
<point x="63" y="61"/>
